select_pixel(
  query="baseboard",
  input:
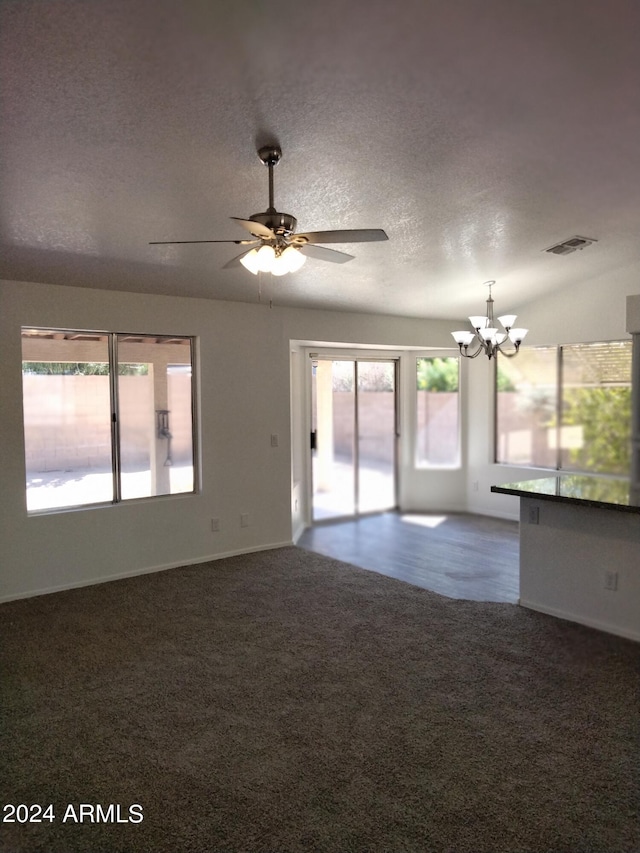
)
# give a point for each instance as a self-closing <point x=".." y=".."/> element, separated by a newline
<point x="467" y="509"/>
<point x="147" y="571"/>
<point x="627" y="633"/>
<point x="451" y="509"/>
<point x="507" y="516"/>
<point x="491" y="513"/>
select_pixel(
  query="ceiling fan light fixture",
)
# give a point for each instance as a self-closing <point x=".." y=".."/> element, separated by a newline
<point x="279" y="268"/>
<point x="250" y="261"/>
<point x="290" y="260"/>
<point x="293" y="258"/>
<point x="266" y="257"/>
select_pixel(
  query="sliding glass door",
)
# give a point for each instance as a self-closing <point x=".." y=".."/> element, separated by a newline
<point x="376" y="436"/>
<point x="353" y="438"/>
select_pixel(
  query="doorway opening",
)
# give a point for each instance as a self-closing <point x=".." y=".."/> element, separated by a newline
<point x="354" y="436"/>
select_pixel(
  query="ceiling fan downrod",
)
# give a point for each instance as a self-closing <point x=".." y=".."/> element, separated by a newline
<point x="281" y="223"/>
<point x="270" y="156"/>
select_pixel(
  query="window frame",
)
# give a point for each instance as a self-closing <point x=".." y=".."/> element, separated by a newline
<point x="115" y="415"/>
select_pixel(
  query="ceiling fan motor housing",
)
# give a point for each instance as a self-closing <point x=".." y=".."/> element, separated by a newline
<point x="281" y="223"/>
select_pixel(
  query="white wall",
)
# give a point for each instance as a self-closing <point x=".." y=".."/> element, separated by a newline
<point x="244" y="378"/>
<point x="633" y="315"/>
<point x="245" y="370"/>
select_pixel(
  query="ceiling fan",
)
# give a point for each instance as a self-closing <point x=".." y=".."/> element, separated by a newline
<point x="274" y="245"/>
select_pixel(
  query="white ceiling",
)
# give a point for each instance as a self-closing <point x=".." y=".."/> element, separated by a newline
<point x="477" y="133"/>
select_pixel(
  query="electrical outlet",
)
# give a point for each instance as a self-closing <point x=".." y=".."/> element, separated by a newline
<point x="534" y="515"/>
<point x="215" y="525"/>
<point x="476" y="485"/>
<point x="274" y="440"/>
<point x="611" y="580"/>
<point x="244" y="519"/>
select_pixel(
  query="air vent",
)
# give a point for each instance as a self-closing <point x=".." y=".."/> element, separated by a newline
<point x="570" y="245"/>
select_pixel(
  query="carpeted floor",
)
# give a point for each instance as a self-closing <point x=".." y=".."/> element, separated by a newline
<point x="284" y="701"/>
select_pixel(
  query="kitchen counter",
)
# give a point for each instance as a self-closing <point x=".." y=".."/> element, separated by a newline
<point x="580" y="550"/>
<point x="613" y="493"/>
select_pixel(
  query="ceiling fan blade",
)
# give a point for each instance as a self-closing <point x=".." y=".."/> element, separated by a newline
<point x="235" y="262"/>
<point x="323" y="254"/>
<point x="354" y="235"/>
<point x="255" y="228"/>
<point x="184" y="242"/>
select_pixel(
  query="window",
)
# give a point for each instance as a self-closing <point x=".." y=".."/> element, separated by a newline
<point x="595" y="427"/>
<point x="107" y="417"/>
<point x="438" y="408"/>
<point x="526" y="405"/>
<point x="566" y="407"/>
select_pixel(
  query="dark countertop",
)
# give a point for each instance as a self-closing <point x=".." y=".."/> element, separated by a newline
<point x="584" y="490"/>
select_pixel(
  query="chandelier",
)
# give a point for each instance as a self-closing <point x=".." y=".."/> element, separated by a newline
<point x="490" y="339"/>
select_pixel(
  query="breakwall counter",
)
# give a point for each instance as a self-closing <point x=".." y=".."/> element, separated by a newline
<point x="580" y="550"/>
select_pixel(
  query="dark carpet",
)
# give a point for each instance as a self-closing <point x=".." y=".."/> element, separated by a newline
<point x="284" y="701"/>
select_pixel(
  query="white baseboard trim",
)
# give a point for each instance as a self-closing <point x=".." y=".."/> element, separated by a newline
<point x="608" y="628"/>
<point x="146" y="571"/>
<point x="410" y="509"/>
<point x="483" y="510"/>
<point x="507" y="516"/>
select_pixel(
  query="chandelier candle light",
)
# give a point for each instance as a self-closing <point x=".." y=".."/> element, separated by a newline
<point x="490" y="338"/>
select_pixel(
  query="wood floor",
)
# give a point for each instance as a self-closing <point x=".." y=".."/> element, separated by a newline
<point x="458" y="555"/>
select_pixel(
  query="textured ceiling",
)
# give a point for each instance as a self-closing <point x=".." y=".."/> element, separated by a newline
<point x="477" y="133"/>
